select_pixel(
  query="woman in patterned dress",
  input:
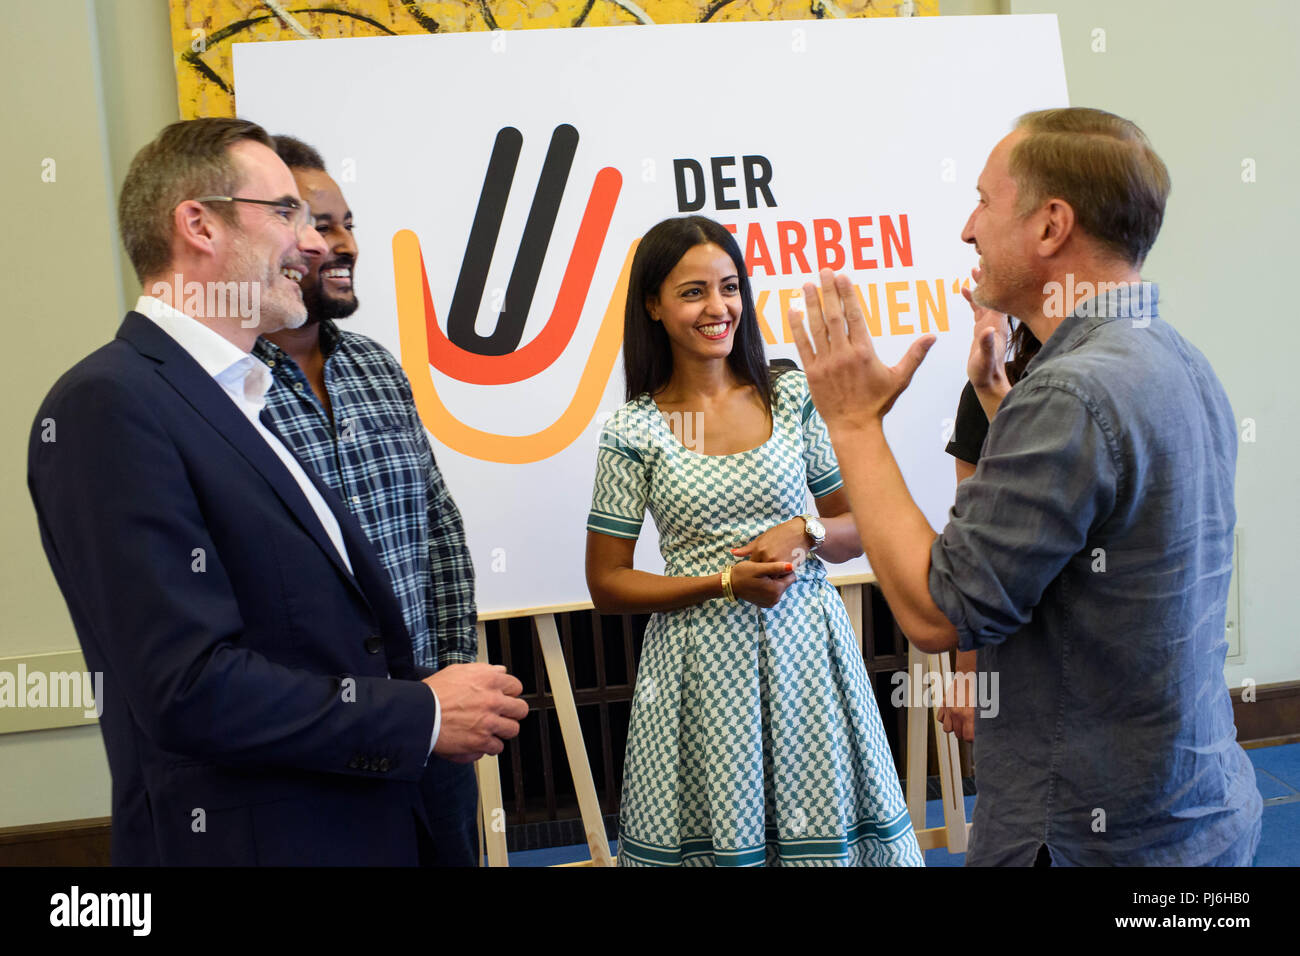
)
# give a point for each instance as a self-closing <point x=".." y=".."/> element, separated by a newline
<point x="754" y="735"/>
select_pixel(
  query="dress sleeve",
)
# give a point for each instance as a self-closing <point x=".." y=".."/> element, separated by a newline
<point x="820" y="464"/>
<point x="618" y="501"/>
<point x="969" y="428"/>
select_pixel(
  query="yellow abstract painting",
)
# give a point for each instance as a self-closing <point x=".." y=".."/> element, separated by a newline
<point x="203" y="31"/>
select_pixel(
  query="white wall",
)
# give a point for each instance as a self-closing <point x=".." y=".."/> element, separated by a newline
<point x="87" y="83"/>
<point x="1213" y="84"/>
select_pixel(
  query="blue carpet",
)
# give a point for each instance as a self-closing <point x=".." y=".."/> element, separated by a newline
<point x="934" y="818"/>
<point x="1277" y="771"/>
<point x="1282" y="762"/>
<point x="554" y="856"/>
<point x="1279" y="844"/>
<point x="1270" y="786"/>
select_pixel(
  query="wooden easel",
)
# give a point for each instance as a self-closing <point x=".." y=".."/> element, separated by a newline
<point x="955" y="830"/>
<point x="952" y="834"/>
<point x="492" y="813"/>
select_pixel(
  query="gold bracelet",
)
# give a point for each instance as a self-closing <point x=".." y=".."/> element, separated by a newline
<point x="729" y="594"/>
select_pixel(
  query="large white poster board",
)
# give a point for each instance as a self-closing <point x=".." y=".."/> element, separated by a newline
<point x="849" y="143"/>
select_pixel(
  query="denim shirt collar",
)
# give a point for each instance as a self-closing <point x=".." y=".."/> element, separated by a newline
<point x="1137" y="301"/>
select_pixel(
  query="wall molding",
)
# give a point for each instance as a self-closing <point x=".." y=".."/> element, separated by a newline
<point x="55" y="677"/>
<point x="1272" y="717"/>
<point x="67" y="843"/>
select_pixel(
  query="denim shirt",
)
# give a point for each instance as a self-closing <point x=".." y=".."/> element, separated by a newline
<point x="1088" y="560"/>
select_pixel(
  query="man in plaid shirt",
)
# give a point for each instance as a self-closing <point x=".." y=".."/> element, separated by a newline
<point x="342" y="403"/>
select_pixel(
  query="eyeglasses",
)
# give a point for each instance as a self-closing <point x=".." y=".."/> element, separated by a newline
<point x="293" y="212"/>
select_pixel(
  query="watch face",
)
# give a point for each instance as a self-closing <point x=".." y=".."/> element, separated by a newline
<point x="815" y="528"/>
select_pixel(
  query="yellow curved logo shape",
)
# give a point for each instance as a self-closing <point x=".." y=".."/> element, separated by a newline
<point x="408" y="274"/>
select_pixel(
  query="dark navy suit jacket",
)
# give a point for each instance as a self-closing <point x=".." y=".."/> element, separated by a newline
<point x="248" y="709"/>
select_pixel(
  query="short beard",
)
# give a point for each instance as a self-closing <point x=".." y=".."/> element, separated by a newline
<point x="291" y="315"/>
<point x="321" y="305"/>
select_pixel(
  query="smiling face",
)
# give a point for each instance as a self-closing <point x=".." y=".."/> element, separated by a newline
<point x="699" y="304"/>
<point x="1003" y="238"/>
<point x="328" y="286"/>
<point x="266" y="248"/>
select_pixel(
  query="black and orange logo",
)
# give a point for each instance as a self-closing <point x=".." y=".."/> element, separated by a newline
<point x="496" y="359"/>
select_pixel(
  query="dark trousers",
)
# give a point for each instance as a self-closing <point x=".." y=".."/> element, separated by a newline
<point x="450" y="795"/>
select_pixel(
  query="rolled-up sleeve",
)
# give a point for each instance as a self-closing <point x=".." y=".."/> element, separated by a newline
<point x="1047" y="478"/>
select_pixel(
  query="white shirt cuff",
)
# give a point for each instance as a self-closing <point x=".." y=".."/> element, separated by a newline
<point x="437" y="722"/>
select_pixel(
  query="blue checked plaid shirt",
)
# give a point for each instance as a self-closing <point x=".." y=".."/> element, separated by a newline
<point x="378" y="460"/>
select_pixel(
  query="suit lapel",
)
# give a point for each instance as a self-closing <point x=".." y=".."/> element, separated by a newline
<point x="207" y="398"/>
<point x="369" y="573"/>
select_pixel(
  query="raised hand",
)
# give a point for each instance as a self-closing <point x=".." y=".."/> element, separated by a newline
<point x="986" y="365"/>
<point x="850" y="385"/>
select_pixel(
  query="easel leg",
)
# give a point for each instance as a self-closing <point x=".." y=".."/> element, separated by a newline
<point x="916" y="742"/>
<point x="492" y="816"/>
<point x="566" y="710"/>
<point x="954" y="807"/>
<point x="953" y="834"/>
<point x="852" y="595"/>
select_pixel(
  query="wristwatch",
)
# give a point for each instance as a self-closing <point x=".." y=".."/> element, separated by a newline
<point x="815" y="530"/>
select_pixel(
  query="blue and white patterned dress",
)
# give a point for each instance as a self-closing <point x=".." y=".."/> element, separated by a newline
<point x="754" y="734"/>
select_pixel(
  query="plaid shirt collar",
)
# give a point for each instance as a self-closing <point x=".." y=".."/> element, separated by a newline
<point x="330" y="336"/>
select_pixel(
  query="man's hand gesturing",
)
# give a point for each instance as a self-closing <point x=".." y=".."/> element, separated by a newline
<point x="986" y="364"/>
<point x="850" y="386"/>
<point x="480" y="710"/>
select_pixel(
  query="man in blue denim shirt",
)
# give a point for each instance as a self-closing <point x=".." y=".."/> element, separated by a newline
<point x="1088" y="558"/>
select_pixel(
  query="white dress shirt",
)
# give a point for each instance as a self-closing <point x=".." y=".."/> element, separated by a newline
<point x="246" y="380"/>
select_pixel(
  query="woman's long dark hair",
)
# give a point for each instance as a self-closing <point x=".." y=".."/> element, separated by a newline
<point x="1021" y="347"/>
<point x="647" y="354"/>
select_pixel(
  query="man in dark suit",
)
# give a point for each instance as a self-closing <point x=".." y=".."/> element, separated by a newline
<point x="260" y="701"/>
